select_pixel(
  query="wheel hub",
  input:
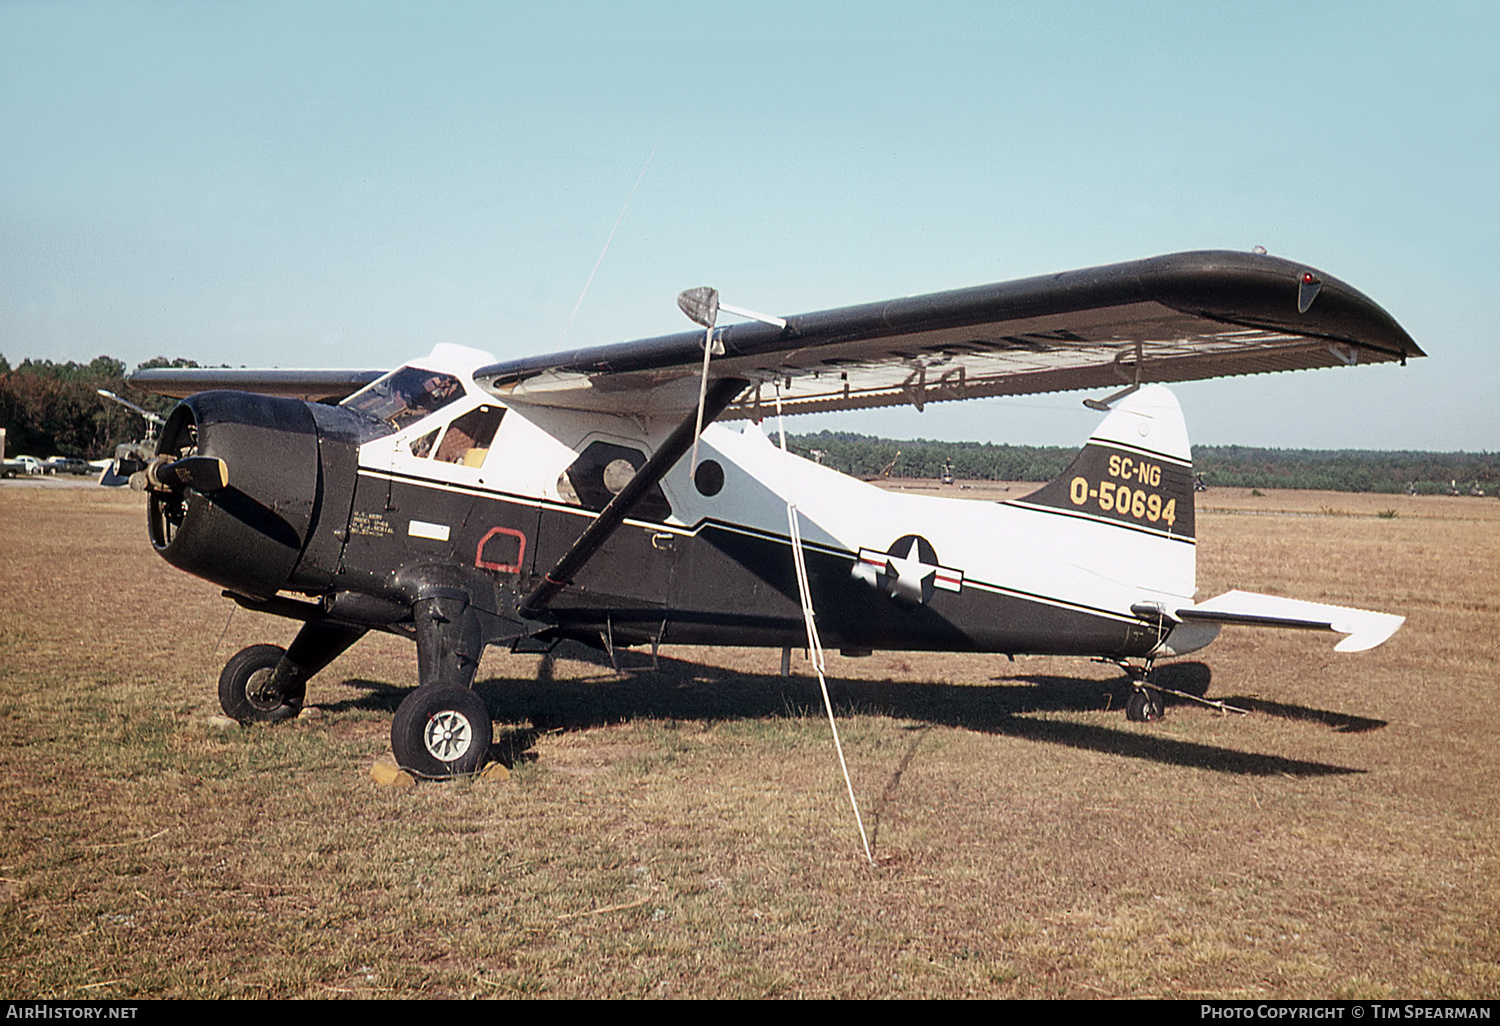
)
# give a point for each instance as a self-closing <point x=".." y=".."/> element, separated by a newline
<point x="448" y="735"/>
<point x="258" y="691"/>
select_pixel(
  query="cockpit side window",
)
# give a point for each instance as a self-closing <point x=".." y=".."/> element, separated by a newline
<point x="405" y="396"/>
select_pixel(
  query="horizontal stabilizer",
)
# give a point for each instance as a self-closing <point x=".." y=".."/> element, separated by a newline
<point x="1366" y="629"/>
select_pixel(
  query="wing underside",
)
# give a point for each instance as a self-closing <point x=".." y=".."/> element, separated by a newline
<point x="1175" y="318"/>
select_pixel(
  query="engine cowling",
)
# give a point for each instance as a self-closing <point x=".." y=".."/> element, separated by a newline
<point x="278" y="522"/>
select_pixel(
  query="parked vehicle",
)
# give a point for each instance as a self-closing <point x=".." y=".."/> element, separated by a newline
<point x="68" y="465"/>
<point x="23" y="465"/>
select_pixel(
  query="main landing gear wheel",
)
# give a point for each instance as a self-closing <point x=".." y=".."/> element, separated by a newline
<point x="243" y="694"/>
<point x="441" y="731"/>
<point x="1144" y="706"/>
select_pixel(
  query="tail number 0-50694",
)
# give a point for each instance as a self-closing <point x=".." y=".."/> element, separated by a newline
<point x="1123" y="500"/>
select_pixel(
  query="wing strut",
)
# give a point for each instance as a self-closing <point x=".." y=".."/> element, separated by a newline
<point x="719" y="395"/>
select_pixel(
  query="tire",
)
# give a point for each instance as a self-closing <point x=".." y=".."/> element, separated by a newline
<point x="243" y="674"/>
<point x="441" y="731"/>
<point x="1144" y="707"/>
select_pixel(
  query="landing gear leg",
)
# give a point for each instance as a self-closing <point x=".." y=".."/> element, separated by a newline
<point x="449" y="641"/>
<point x="1144" y="704"/>
<point x="442" y="729"/>
<point x="264" y="683"/>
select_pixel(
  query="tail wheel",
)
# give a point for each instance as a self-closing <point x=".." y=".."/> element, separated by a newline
<point x="244" y="691"/>
<point x="441" y="731"/>
<point x="1144" y="706"/>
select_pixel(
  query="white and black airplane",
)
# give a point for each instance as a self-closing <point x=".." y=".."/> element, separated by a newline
<point x="465" y="502"/>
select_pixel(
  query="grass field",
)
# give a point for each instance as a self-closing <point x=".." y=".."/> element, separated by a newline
<point x="685" y="833"/>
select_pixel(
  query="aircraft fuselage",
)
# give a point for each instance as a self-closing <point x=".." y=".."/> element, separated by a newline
<point x="477" y="501"/>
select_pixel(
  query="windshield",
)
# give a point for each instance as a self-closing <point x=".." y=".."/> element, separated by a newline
<point x="406" y="396"/>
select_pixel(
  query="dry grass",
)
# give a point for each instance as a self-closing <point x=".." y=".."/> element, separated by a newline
<point x="685" y="833"/>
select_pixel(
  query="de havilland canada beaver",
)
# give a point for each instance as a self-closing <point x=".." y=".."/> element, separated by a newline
<point x="462" y="501"/>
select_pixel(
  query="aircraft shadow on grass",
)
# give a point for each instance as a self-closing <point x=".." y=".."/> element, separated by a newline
<point x="683" y="690"/>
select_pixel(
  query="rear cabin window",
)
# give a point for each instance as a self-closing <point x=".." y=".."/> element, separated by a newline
<point x="599" y="474"/>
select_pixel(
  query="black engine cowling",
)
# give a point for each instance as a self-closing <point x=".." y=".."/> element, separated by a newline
<point x="279" y="522"/>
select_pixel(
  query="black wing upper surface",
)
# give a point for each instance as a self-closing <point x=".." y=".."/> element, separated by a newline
<point x="1183" y="317"/>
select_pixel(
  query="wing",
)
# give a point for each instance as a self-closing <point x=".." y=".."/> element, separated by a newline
<point x="1172" y="318"/>
<point x="314" y="385"/>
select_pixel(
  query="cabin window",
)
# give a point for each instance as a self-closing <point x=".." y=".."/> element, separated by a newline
<point x="601" y="472"/>
<point x="421" y="448"/>
<point x="467" y="440"/>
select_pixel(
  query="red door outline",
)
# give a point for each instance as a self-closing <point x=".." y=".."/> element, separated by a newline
<point x="504" y="568"/>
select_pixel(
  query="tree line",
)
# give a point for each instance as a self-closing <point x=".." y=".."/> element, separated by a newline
<point x="1227" y="466"/>
<point x="53" y="409"/>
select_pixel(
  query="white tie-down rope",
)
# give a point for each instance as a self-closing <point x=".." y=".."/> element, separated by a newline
<point x="815" y="651"/>
<point x="814" y="643"/>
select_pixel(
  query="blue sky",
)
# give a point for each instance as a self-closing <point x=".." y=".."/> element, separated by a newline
<point x="346" y="184"/>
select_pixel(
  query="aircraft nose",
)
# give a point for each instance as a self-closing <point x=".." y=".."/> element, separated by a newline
<point x="233" y="491"/>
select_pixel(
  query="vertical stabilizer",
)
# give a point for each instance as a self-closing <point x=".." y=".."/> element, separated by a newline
<point x="1136" y="471"/>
